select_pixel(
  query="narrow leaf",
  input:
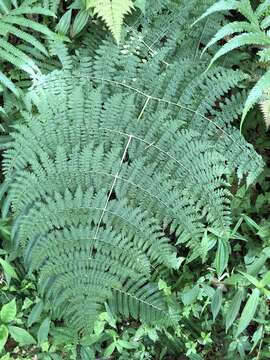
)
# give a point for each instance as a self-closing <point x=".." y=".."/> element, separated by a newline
<point x="80" y="22"/>
<point x="257" y="336"/>
<point x="216" y="303"/>
<point x="222" y="255"/>
<point x="229" y="29"/>
<point x="35" y="313"/>
<point x="249" y="311"/>
<point x="251" y="279"/>
<point x="241" y="40"/>
<point x="64" y="23"/>
<point x="265" y="280"/>
<point x="4" y="80"/>
<point x="222" y="5"/>
<point x="3" y="336"/>
<point x="256" y="93"/>
<point x="234" y="309"/>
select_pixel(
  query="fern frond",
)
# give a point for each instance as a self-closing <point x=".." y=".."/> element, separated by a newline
<point x="242" y="40"/>
<point x="265" y="108"/>
<point x="251" y="32"/>
<point x="112" y="12"/>
<point x="13" y="21"/>
<point x="117" y="161"/>
<point x="256" y="93"/>
<point x="9" y="84"/>
<point x="222" y="5"/>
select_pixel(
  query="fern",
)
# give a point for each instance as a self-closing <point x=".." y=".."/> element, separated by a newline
<point x="15" y="23"/>
<point x="112" y="12"/>
<point x="123" y="150"/>
<point x="253" y="31"/>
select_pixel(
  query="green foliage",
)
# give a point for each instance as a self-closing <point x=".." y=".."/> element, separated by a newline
<point x="16" y="21"/>
<point x="130" y="227"/>
<point x="106" y="175"/>
<point x="112" y="12"/>
<point x="252" y="31"/>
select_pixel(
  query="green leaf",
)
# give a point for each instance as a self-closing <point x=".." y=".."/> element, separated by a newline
<point x="8" y="311"/>
<point x="257" y="336"/>
<point x="234" y="309"/>
<point x="25" y="10"/>
<point x="3" y="336"/>
<point x="27" y="303"/>
<point x="251" y="223"/>
<point x="265" y="280"/>
<point x="141" y="5"/>
<point x="152" y="334"/>
<point x="19" y="20"/>
<point x="35" y="313"/>
<point x="256" y="93"/>
<point x="112" y="12"/>
<point x="222" y="5"/>
<point x="99" y="327"/>
<point x="222" y="255"/>
<point x="246" y="10"/>
<point x="251" y="279"/>
<point x="80" y="22"/>
<point x="9" y="84"/>
<point x="257" y="264"/>
<point x="24" y="36"/>
<point x="241" y="40"/>
<point x="64" y="23"/>
<point x="188" y="297"/>
<point x="8" y="269"/>
<point x="5" y="357"/>
<point x="248" y="311"/>
<point x="109" y="350"/>
<point x="43" y="331"/>
<point x="87" y="353"/>
<point x="21" y="336"/>
<point x="229" y="29"/>
<point x="127" y="344"/>
<point x="216" y="302"/>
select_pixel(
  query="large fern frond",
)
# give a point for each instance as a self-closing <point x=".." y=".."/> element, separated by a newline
<point x="122" y="156"/>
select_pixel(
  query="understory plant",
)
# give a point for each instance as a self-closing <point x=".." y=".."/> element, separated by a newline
<point x="251" y="31"/>
<point x="134" y="211"/>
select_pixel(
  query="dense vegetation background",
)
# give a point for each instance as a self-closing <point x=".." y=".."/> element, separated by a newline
<point x="191" y="79"/>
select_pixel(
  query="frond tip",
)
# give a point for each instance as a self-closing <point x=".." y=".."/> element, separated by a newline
<point x="112" y="12"/>
<point x="265" y="109"/>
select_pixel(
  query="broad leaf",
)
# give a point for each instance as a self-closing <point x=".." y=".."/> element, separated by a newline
<point x="8" y="269"/>
<point x="21" y="336"/>
<point x="8" y="311"/>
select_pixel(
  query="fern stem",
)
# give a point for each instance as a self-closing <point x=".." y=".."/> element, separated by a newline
<point x="110" y="194"/>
